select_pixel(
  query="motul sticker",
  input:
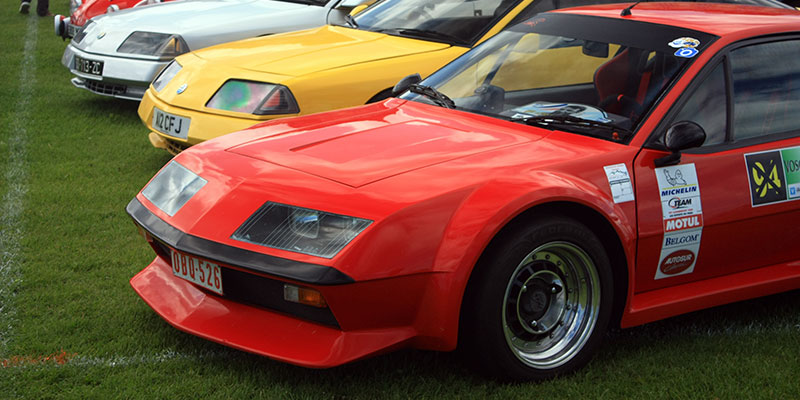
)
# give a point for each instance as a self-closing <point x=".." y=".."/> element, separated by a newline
<point x="682" y="213"/>
<point x="680" y="223"/>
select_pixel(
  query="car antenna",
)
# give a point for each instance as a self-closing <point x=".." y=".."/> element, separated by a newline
<point x="627" y="11"/>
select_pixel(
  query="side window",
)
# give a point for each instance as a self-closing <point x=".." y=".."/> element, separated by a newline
<point x="706" y="107"/>
<point x="766" y="89"/>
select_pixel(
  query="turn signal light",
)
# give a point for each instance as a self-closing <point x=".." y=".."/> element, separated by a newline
<point x="309" y="297"/>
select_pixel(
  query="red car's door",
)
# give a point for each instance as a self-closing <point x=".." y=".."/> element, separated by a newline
<point x="734" y="203"/>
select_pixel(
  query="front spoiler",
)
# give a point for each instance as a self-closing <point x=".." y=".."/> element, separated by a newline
<point x="257" y="330"/>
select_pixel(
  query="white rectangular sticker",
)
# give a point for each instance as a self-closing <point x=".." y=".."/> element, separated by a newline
<point x="620" y="182"/>
<point x="682" y="213"/>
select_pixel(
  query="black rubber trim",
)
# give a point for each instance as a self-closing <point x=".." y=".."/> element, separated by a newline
<point x="224" y="254"/>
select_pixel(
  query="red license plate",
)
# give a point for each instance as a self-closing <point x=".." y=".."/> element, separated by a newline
<point x="201" y="272"/>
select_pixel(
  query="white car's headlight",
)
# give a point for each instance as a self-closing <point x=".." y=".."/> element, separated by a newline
<point x="155" y="44"/>
<point x="166" y="75"/>
<point x="254" y="98"/>
<point x="172" y="187"/>
<point x="300" y="230"/>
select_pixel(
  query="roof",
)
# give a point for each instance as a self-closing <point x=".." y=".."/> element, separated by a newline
<point x="714" y="18"/>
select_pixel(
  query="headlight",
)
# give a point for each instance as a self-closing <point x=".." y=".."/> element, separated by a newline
<point x="254" y="98"/>
<point x="301" y="230"/>
<point x="172" y="187"/>
<point x="154" y="44"/>
<point x="83" y="31"/>
<point x="166" y="75"/>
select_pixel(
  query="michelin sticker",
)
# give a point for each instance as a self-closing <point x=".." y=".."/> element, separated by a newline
<point x="682" y="214"/>
<point x="687" y="47"/>
<point x="620" y="182"/>
<point x="774" y="176"/>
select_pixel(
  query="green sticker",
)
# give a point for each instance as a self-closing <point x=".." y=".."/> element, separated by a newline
<point x="791" y="166"/>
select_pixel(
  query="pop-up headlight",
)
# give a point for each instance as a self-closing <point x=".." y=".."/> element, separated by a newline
<point x="166" y="75"/>
<point x="172" y="187"/>
<point x="155" y="44"/>
<point x="254" y="98"/>
<point x="301" y="230"/>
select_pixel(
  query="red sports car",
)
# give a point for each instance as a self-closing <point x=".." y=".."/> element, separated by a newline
<point x="81" y="12"/>
<point x="595" y="167"/>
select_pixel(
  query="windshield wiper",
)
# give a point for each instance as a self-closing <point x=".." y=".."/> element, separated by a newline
<point x="350" y="21"/>
<point x="426" y="33"/>
<point x="570" y="121"/>
<point x="436" y="96"/>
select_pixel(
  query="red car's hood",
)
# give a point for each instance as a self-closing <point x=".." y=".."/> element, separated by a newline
<point x="359" y="151"/>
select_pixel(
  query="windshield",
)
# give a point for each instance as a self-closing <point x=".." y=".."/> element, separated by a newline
<point x="583" y="74"/>
<point x="457" y="22"/>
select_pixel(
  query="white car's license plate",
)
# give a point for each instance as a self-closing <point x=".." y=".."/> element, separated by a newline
<point x="90" y="67"/>
<point x="170" y="124"/>
<point x="201" y="272"/>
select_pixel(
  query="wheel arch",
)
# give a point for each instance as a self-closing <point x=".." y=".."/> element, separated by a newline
<point x="594" y="220"/>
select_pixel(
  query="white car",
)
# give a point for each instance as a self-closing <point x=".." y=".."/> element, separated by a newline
<point x="119" y="54"/>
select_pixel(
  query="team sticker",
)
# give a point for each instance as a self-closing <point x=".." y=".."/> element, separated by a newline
<point x="620" y="182"/>
<point x="774" y="176"/>
<point x="687" y="47"/>
<point x="682" y="214"/>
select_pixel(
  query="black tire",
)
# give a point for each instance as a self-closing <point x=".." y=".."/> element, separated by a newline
<point x="539" y="301"/>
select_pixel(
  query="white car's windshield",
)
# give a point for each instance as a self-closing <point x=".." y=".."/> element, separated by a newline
<point x="454" y="21"/>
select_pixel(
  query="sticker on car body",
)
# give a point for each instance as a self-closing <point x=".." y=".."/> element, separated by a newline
<point x="682" y="214"/>
<point x="687" y="47"/>
<point x="774" y="176"/>
<point x="620" y="182"/>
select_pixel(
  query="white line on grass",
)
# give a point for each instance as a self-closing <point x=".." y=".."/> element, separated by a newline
<point x="65" y="360"/>
<point x="16" y="178"/>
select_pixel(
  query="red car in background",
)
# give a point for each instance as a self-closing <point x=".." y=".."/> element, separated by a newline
<point x="587" y="168"/>
<point x="82" y="11"/>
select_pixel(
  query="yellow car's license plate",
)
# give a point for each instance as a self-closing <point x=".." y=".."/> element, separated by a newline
<point x="171" y="124"/>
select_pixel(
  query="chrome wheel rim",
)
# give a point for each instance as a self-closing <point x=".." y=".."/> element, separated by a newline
<point x="551" y="305"/>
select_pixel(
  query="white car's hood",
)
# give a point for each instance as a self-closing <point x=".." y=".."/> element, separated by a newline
<point x="201" y="23"/>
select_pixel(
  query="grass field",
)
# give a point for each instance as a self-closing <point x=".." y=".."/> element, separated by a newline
<point x="71" y="327"/>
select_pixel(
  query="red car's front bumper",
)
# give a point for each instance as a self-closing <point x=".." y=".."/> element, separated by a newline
<point x="255" y="329"/>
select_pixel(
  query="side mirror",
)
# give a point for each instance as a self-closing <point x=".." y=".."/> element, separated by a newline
<point x="681" y="136"/>
<point x="405" y="83"/>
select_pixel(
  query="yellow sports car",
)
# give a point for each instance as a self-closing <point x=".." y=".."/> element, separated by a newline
<point x="224" y="88"/>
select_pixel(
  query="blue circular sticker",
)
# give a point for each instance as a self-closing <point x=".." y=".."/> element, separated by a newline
<point x="686" y="52"/>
